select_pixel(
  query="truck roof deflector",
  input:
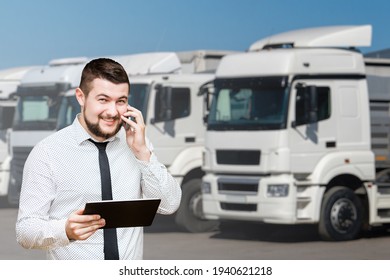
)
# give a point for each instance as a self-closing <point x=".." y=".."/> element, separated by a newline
<point x="332" y="36"/>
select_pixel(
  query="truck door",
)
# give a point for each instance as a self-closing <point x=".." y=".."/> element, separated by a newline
<point x="176" y="121"/>
<point x="312" y="130"/>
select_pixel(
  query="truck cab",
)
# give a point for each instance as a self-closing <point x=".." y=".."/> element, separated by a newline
<point x="173" y="112"/>
<point x="40" y="95"/>
<point x="295" y="110"/>
<point x="173" y="108"/>
<point x="9" y="81"/>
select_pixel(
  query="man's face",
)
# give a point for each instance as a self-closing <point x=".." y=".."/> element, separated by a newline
<point x="102" y="109"/>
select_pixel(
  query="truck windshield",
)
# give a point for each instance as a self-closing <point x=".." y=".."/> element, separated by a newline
<point x="138" y="98"/>
<point x="249" y="104"/>
<point x="37" y="107"/>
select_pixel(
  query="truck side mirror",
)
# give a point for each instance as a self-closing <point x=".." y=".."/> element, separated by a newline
<point x="313" y="104"/>
<point x="163" y="104"/>
<point x="306" y="105"/>
<point x="206" y="90"/>
<point x="205" y="118"/>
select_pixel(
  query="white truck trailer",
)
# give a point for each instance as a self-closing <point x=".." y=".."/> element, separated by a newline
<point x="288" y="137"/>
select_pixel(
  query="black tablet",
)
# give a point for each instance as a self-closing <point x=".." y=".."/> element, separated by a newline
<point x="124" y="213"/>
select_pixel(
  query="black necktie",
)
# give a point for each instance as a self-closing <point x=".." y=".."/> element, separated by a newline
<point x="110" y="238"/>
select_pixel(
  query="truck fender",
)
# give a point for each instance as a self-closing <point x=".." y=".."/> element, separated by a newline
<point x="360" y="164"/>
<point x="187" y="160"/>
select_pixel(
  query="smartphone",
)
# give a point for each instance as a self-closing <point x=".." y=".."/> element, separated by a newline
<point x="126" y="125"/>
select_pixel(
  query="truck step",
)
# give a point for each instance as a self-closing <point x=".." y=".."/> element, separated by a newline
<point x="383" y="203"/>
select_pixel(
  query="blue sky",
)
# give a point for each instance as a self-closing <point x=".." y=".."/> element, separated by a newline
<point x="34" y="32"/>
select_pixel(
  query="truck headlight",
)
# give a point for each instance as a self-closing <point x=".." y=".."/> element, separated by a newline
<point x="206" y="187"/>
<point x="280" y="190"/>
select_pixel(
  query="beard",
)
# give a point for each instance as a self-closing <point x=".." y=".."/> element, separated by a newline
<point x="95" y="128"/>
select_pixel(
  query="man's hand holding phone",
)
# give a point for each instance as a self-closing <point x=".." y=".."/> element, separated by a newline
<point x="135" y="133"/>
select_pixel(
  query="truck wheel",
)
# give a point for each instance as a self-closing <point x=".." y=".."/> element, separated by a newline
<point x="189" y="216"/>
<point x="341" y="215"/>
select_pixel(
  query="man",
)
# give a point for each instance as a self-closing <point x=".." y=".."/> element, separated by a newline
<point x="62" y="173"/>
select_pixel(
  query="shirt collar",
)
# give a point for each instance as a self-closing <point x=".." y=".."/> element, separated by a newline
<point x="82" y="135"/>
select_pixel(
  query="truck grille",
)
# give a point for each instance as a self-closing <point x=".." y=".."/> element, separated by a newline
<point x="238" y="157"/>
<point x="248" y="187"/>
<point x="239" y="207"/>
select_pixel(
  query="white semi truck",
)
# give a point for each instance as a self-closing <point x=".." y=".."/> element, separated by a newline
<point x="173" y="108"/>
<point x="293" y="138"/>
<point x="9" y="81"/>
<point x="164" y="86"/>
<point x="173" y="113"/>
<point x="40" y="97"/>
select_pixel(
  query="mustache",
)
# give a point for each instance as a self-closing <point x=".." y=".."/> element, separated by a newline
<point x="115" y="118"/>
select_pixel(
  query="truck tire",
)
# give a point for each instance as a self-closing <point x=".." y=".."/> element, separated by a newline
<point x="189" y="215"/>
<point x="341" y="215"/>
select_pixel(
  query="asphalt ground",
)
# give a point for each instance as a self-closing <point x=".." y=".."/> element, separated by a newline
<point x="232" y="241"/>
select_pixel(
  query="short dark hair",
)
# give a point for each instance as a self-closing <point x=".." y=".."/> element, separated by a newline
<point x="103" y="68"/>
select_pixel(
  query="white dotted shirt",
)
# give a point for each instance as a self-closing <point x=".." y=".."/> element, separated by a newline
<point x="62" y="173"/>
